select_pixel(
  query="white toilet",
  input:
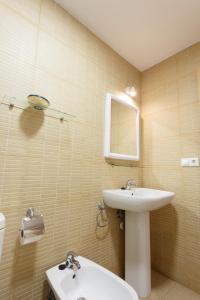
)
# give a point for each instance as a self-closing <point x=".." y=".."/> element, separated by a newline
<point x="2" y="232"/>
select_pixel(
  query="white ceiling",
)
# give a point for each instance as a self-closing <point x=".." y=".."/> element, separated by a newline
<point x="144" y="32"/>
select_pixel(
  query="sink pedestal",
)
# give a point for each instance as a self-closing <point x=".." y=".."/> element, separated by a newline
<point x="138" y="204"/>
<point x="137" y="253"/>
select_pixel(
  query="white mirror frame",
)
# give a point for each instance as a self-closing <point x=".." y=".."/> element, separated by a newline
<point x="107" y="128"/>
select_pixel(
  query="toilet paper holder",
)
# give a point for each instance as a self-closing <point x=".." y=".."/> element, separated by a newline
<point x="32" y="227"/>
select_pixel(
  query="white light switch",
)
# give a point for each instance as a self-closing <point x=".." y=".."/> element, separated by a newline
<point x="184" y="162"/>
<point x="190" y="162"/>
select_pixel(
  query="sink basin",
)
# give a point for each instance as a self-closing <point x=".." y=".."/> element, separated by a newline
<point x="91" y="282"/>
<point x="137" y="203"/>
<point x="138" y="199"/>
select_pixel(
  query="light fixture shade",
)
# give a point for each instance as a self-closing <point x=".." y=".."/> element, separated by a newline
<point x="131" y="91"/>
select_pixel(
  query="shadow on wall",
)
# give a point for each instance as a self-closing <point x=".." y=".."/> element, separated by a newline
<point x="31" y="121"/>
<point x="24" y="268"/>
<point x="118" y="241"/>
<point x="24" y="264"/>
<point x="164" y="226"/>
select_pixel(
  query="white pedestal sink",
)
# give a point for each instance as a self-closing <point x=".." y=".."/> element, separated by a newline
<point x="138" y="203"/>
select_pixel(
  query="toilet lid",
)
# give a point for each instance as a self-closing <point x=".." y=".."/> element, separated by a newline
<point x="2" y="221"/>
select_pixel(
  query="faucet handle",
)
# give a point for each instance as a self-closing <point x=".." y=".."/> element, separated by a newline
<point x="131" y="183"/>
<point x="71" y="254"/>
<point x="71" y="262"/>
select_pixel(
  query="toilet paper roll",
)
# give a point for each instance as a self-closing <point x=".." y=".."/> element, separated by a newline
<point x="32" y="229"/>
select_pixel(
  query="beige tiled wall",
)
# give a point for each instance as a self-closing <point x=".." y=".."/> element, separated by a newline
<point x="59" y="167"/>
<point x="171" y="130"/>
<point x="56" y="167"/>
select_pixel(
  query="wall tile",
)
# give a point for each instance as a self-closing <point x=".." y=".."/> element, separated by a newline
<point x="189" y="118"/>
<point x="12" y="28"/>
<point x="170" y="133"/>
<point x="56" y="167"/>
<point x="188" y="92"/>
<point x="30" y="9"/>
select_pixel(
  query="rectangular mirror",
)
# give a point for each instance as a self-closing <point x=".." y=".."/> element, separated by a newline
<point x="121" y="137"/>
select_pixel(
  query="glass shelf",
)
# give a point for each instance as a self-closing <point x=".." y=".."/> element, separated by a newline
<point x="49" y="112"/>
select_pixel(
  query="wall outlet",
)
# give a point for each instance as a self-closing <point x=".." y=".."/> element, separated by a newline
<point x="190" y="162"/>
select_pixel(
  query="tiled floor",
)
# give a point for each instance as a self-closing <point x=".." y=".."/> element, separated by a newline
<point x="166" y="289"/>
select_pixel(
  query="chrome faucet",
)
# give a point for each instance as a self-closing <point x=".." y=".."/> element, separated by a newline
<point x="131" y="184"/>
<point x="71" y="262"/>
